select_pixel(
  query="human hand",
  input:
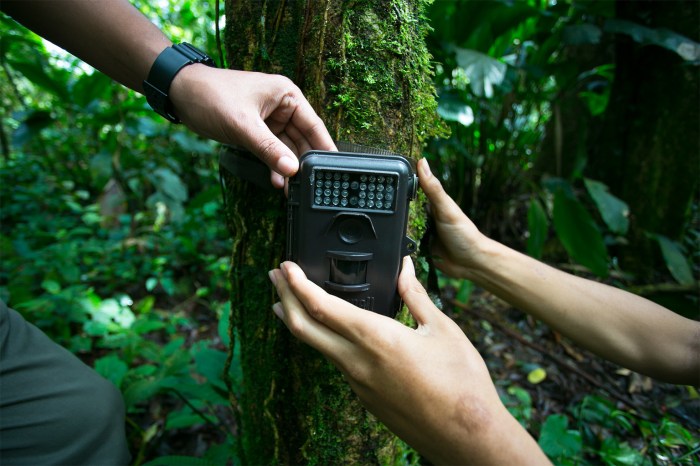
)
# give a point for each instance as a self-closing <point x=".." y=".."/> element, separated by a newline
<point x="458" y="247"/>
<point x="265" y="113"/>
<point x="429" y="385"/>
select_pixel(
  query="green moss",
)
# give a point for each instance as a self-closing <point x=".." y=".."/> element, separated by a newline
<point x="380" y="90"/>
<point x="367" y="72"/>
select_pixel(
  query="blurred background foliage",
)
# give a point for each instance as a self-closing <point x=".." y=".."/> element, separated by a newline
<point x="574" y="138"/>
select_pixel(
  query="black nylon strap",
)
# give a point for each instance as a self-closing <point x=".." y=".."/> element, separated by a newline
<point x="166" y="66"/>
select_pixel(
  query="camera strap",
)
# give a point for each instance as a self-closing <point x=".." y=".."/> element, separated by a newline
<point x="243" y="164"/>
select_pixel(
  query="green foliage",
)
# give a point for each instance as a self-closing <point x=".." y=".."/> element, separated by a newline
<point x="676" y="261"/>
<point x="559" y="442"/>
<point x="512" y="77"/>
<point x="505" y="69"/>
<point x="596" y="432"/>
<point x="111" y="237"/>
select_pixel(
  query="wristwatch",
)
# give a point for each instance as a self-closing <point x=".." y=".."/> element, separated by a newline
<point x="167" y="65"/>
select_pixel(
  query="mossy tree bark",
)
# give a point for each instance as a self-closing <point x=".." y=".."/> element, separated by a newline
<point x="364" y="67"/>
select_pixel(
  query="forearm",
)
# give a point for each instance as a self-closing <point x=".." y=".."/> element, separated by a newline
<point x="113" y="36"/>
<point x="497" y="440"/>
<point x="617" y="325"/>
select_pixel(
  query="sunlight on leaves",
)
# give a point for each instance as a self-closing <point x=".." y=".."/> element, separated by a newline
<point x="484" y="72"/>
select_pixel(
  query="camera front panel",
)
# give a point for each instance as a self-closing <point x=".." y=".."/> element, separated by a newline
<point x="346" y="217"/>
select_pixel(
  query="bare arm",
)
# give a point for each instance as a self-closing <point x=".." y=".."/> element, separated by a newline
<point x="265" y="113"/>
<point x="619" y="326"/>
<point x="113" y="36"/>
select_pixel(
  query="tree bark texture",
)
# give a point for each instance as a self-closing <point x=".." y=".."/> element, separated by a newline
<point x="364" y="67"/>
<point x="649" y="151"/>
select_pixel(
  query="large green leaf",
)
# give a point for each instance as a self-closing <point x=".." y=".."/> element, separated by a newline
<point x="675" y="260"/>
<point x="579" y="234"/>
<point x="112" y="368"/>
<point x="614" y="211"/>
<point x="537" y="227"/>
<point x="451" y="108"/>
<point x="686" y="48"/>
<point x="556" y="440"/>
<point x="484" y="72"/>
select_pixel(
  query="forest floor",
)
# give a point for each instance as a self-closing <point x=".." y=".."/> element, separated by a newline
<point x="602" y="400"/>
<point x="514" y="345"/>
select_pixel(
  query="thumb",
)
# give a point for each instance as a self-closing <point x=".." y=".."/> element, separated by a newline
<point x="414" y="295"/>
<point x="444" y="208"/>
<point x="270" y="149"/>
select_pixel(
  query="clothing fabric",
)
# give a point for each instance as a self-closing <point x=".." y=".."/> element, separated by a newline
<point x="54" y="409"/>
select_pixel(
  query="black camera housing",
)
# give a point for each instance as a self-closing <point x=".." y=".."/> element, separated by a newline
<point x="347" y="215"/>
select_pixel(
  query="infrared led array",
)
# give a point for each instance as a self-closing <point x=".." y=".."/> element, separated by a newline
<point x="373" y="191"/>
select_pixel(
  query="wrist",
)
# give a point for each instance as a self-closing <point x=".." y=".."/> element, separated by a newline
<point x="484" y="254"/>
<point x="169" y="63"/>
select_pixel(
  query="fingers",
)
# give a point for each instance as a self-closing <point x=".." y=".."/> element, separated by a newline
<point x="414" y="295"/>
<point x="312" y="133"/>
<point x="271" y="150"/>
<point x="349" y="321"/>
<point x="292" y="312"/>
<point x="444" y="208"/>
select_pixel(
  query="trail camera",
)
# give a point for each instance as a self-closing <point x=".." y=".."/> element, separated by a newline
<point x="346" y="224"/>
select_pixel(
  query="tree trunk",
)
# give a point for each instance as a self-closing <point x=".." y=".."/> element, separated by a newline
<point x="365" y="69"/>
<point x="649" y="152"/>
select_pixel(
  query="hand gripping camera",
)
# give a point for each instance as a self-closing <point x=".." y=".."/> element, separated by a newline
<point x="346" y="224"/>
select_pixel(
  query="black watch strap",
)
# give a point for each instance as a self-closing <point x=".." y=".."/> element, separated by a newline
<point x="170" y="61"/>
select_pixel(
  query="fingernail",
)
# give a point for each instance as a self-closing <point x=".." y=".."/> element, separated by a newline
<point x="426" y="169"/>
<point x="273" y="277"/>
<point x="278" y="310"/>
<point x="283" y="268"/>
<point x="287" y="166"/>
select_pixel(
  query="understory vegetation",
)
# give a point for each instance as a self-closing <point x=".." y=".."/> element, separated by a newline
<point x="113" y="241"/>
